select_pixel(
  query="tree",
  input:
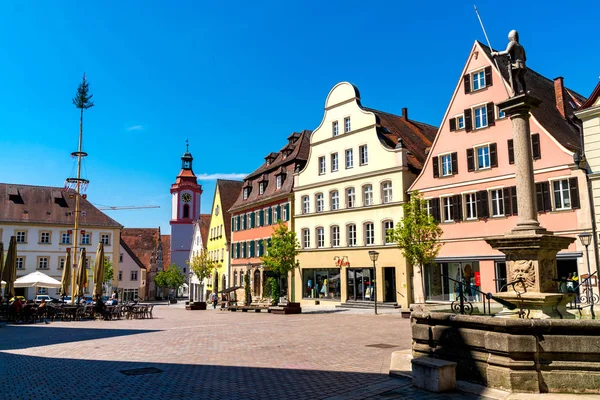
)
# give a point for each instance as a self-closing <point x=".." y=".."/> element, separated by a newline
<point x="247" y="288"/>
<point x="201" y="265"/>
<point x="108" y="271"/>
<point x="171" y="278"/>
<point x="273" y="289"/>
<point x="417" y="235"/>
<point x="281" y="252"/>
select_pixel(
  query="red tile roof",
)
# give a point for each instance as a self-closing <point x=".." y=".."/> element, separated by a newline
<point x="143" y="242"/>
<point x="592" y="99"/>
<point x="166" y="246"/>
<point x="229" y="192"/>
<point x="204" y="226"/>
<point x="48" y="205"/>
<point x="132" y="254"/>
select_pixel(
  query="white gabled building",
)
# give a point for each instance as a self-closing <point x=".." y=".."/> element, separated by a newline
<point x="197" y="290"/>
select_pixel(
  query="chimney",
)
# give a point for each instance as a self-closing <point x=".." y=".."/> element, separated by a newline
<point x="558" y="94"/>
<point x="405" y="113"/>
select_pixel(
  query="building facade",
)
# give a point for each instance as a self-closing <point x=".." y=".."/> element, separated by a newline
<point x="185" y="209"/>
<point x="469" y="177"/>
<point x="265" y="199"/>
<point x="197" y="289"/>
<point x="131" y="279"/>
<point x="349" y="194"/>
<point x="42" y="218"/>
<point x="219" y="233"/>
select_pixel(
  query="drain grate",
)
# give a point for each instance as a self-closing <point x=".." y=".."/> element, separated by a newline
<point x="382" y="346"/>
<point x="141" y="371"/>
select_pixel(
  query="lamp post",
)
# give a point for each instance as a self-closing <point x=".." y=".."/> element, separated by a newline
<point x="374" y="255"/>
<point x="585" y="239"/>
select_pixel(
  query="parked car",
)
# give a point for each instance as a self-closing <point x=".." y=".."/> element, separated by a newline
<point x="39" y="297"/>
<point x="66" y="299"/>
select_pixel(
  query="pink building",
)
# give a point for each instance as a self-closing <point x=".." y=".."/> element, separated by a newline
<point x="469" y="176"/>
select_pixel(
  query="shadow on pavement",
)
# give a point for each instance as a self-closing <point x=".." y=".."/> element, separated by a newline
<point x="14" y="337"/>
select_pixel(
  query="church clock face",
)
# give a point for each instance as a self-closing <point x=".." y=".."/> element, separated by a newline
<point x="186" y="197"/>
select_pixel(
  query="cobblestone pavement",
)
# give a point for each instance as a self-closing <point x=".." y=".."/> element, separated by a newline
<point x="209" y="355"/>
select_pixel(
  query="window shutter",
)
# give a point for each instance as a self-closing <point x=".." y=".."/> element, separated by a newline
<point x="252" y="219"/>
<point x="287" y="211"/>
<point x="454" y="163"/>
<point x="251" y="249"/>
<point x="457" y="207"/>
<point x="483" y="209"/>
<point x="452" y="124"/>
<point x="493" y="155"/>
<point x="278" y="213"/>
<point x="237" y="250"/>
<point x="547" y="201"/>
<point x="491" y="114"/>
<point x="435" y="208"/>
<point x="269" y="216"/>
<point x="244" y="221"/>
<point x="233" y="224"/>
<point x="513" y="194"/>
<point x="470" y="160"/>
<point x="261" y="249"/>
<point x="488" y="76"/>
<point x="239" y="225"/>
<point x="507" y="198"/>
<point x="436" y="167"/>
<point x="535" y="146"/>
<point x="261" y="218"/>
<point x="542" y="191"/>
<point x="468" y="120"/>
<point x="232" y="250"/>
<point x="467" y="83"/>
<point x="511" y="152"/>
<point x="574" y="192"/>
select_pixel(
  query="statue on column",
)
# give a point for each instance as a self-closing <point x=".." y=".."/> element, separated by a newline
<point x="516" y="65"/>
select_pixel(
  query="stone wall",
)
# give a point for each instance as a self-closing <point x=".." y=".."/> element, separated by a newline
<point x="518" y="355"/>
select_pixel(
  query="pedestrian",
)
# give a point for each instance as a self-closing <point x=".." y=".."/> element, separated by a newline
<point x="215" y="300"/>
<point x="114" y="298"/>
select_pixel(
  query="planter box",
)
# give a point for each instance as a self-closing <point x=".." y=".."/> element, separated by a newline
<point x="173" y="301"/>
<point x="196" y="305"/>
<point x="289" y="308"/>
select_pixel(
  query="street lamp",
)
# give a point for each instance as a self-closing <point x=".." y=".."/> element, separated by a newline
<point x="374" y="255"/>
<point x="585" y="239"/>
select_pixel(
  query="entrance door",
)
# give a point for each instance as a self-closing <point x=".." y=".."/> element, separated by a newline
<point x="389" y="282"/>
<point x="360" y="284"/>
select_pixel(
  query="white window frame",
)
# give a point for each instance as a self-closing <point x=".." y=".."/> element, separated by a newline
<point x="350" y="197"/>
<point x="320" y="236"/>
<point x="334" y="200"/>
<point x="351" y="234"/>
<point x="246" y="193"/>
<point x="447" y="208"/>
<point x="134" y="275"/>
<point x="347" y="125"/>
<point x="460" y="122"/>
<point x="363" y="152"/>
<point x="335" y="127"/>
<point x="43" y="262"/>
<point x="334" y="162"/>
<point x="442" y="162"/>
<point x="335" y="236"/>
<point x="45" y="237"/>
<point x="428" y="205"/>
<point x="306" y="238"/>
<point x="499" y="113"/>
<point x="64" y="235"/>
<point x="480" y="73"/>
<point x="305" y="205"/>
<point x="562" y="190"/>
<point x="386" y="237"/>
<point x="105" y="236"/>
<point x="87" y="237"/>
<point x="349" y="157"/>
<point x="467" y="206"/>
<point x="320" y="202"/>
<point x="483" y="116"/>
<point x="368" y="195"/>
<point x="387" y="192"/>
<point x="278" y="181"/>
<point x="497" y="202"/>
<point x="476" y="155"/>
<point x="284" y="215"/>
<point x="322" y="165"/>
<point x="22" y="234"/>
<point x="369" y="229"/>
<point x="20" y="262"/>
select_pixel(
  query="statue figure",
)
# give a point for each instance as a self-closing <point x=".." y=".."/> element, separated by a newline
<point x="522" y="269"/>
<point x="516" y="66"/>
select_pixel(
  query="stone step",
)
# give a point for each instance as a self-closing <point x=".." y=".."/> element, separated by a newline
<point x="367" y="305"/>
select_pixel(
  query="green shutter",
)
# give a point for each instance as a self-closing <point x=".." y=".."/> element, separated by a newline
<point x="278" y="213"/>
<point x="287" y="211"/>
<point x="261" y="218"/>
<point x="237" y="250"/>
<point x="252" y="248"/>
<point x="252" y="217"/>
<point x="232" y="252"/>
<point x="244" y="221"/>
<point x="269" y="216"/>
<point x="233" y="224"/>
<point x="238" y="223"/>
<point x="261" y="249"/>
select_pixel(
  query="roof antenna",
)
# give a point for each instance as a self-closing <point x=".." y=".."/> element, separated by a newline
<point x="489" y="45"/>
<point x="187" y="146"/>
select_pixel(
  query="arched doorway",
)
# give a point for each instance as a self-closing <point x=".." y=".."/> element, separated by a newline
<point x="256" y="283"/>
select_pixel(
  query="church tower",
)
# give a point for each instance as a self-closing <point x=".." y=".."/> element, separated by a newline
<point x="185" y="209"/>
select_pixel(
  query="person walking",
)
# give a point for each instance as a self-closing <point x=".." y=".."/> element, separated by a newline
<point x="215" y="300"/>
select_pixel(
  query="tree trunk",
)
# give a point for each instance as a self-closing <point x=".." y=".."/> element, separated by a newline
<point x="422" y="282"/>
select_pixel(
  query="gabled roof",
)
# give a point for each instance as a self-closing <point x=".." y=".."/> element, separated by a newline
<point x="229" y="192"/>
<point x="299" y="142"/>
<point x="415" y="136"/>
<point x="166" y="246"/>
<point x="48" y="205"/>
<point x="143" y="242"/>
<point x="592" y="99"/>
<point x="562" y="129"/>
<point x="204" y="222"/>
<point x="131" y="254"/>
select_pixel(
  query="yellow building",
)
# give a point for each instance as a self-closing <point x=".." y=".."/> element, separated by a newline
<point x="348" y="195"/>
<point x="219" y="233"/>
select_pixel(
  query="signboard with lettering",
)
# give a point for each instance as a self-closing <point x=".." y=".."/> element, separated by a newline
<point x="341" y="261"/>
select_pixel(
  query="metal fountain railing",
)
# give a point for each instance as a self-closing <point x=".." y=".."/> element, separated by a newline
<point x="587" y="298"/>
<point x="464" y="306"/>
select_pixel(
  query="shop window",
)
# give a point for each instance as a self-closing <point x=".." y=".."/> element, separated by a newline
<point x="438" y="286"/>
<point x="321" y="284"/>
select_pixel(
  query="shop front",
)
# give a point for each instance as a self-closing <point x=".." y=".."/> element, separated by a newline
<point x="442" y="281"/>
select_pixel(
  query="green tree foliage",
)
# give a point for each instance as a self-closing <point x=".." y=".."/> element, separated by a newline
<point x="108" y="271"/>
<point x="83" y="99"/>
<point x="247" y="288"/>
<point x="280" y="255"/>
<point x="417" y="235"/>
<point x="273" y="284"/>
<point x="171" y="278"/>
<point x="201" y="265"/>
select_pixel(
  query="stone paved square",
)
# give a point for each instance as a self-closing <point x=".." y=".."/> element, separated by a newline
<point x="209" y="355"/>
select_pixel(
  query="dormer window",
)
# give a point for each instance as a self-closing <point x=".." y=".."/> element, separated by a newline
<point x="270" y="158"/>
<point x="246" y="193"/>
<point x="279" y="181"/>
<point x="261" y="188"/>
<point x="280" y="177"/>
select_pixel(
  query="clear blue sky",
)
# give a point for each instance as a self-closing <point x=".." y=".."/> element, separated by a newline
<point x="236" y="78"/>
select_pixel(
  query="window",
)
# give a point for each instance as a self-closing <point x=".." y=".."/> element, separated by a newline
<point x="285" y="210"/>
<point x="367" y="195"/>
<point x="351" y="235"/>
<point x="364" y="155"/>
<point x="448" y="209"/>
<point x="349" y="159"/>
<point x="250" y="220"/>
<point x="134" y="275"/>
<point x="279" y="181"/>
<point x="320" y="202"/>
<point x="471" y="206"/>
<point x="483" y="157"/>
<point x="305" y="205"/>
<point x="120" y="275"/>
<point x="460" y="122"/>
<point x="246" y="191"/>
<point x="334" y="162"/>
<point x="261" y="188"/>
<point x="428" y="206"/>
<point x="481" y="117"/>
<point x="120" y="257"/>
<point x="65" y="238"/>
<point x="186" y="211"/>
<point x="21" y="237"/>
<point x="497" y="203"/>
<point x="446" y="165"/>
<point x="85" y="238"/>
<point x="322" y="165"/>
<point x="388" y="228"/>
<point x="42" y="290"/>
<point x="386" y="192"/>
<point x="61" y="262"/>
<point x="478" y="79"/>
<point x="347" y="126"/>
<point x="335" y="128"/>
<point x="42" y="262"/>
<point x="501" y="114"/>
<point x="369" y="234"/>
<point x="350" y="198"/>
<point x="20" y="262"/>
<point x="335" y="236"/>
<point x="320" y="237"/>
<point x="335" y="200"/>
<point x="45" y="237"/>
<point x="305" y="238"/>
<point x="562" y="198"/>
<point x="105" y="239"/>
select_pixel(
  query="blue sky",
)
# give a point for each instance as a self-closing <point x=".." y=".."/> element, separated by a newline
<point x="236" y="78"/>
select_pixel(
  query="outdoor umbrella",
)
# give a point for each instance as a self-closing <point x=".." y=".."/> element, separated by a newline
<point x="66" y="277"/>
<point x="9" y="273"/>
<point x="1" y="261"/>
<point x="99" y="270"/>
<point x="37" y="279"/>
<point x="81" y="274"/>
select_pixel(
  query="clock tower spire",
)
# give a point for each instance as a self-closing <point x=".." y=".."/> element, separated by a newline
<point x="185" y="209"/>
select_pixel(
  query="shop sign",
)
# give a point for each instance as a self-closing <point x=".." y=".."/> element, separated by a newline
<point x="341" y="261"/>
